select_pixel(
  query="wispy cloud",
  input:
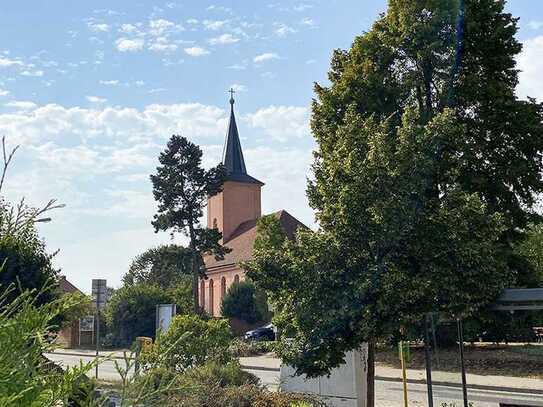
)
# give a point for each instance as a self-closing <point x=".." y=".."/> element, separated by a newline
<point x="196" y="51"/>
<point x="535" y="25"/>
<point x="96" y="99"/>
<point x="21" y="104"/>
<point x="36" y="73"/>
<point x="130" y="45"/>
<point x="223" y="39"/>
<point x="282" y="30"/>
<point x="267" y="56"/>
<point x="113" y="82"/>
<point x="238" y="87"/>
<point x="214" y="24"/>
<point x="98" y="27"/>
<point x="308" y="21"/>
<point x="5" y="61"/>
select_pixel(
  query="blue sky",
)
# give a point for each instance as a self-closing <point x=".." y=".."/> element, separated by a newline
<point x="92" y="91"/>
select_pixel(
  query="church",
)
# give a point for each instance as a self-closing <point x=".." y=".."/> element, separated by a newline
<point x="234" y="212"/>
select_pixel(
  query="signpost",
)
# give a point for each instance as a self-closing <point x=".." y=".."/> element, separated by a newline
<point x="164" y="316"/>
<point x="86" y="324"/>
<point x="99" y="298"/>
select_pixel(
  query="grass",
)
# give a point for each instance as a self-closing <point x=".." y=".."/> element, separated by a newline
<point x="484" y="359"/>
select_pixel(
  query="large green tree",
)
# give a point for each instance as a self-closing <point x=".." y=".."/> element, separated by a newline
<point x="181" y="188"/>
<point x="426" y="170"/>
<point x="164" y="266"/>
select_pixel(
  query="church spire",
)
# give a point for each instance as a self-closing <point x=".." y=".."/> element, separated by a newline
<point x="232" y="152"/>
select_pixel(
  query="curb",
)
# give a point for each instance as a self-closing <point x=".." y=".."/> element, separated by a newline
<point x="380" y="378"/>
<point x="458" y="385"/>
<point x="88" y="355"/>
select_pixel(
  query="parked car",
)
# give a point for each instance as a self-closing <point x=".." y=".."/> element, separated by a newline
<point x="264" y="333"/>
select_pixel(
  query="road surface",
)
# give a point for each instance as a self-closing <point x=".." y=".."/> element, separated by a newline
<point x="387" y="393"/>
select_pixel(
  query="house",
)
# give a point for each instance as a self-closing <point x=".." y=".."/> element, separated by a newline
<point x="234" y="212"/>
<point x="68" y="335"/>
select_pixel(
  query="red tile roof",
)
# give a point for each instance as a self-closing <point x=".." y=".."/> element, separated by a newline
<point x="67" y="287"/>
<point x="243" y="239"/>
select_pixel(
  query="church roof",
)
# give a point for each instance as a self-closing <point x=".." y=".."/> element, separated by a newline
<point x="243" y="239"/>
<point x="232" y="153"/>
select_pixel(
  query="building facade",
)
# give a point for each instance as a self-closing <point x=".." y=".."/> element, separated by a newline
<point x="234" y="212"/>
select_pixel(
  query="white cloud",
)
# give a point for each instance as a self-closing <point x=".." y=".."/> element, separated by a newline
<point x="238" y="88"/>
<point x="38" y="73"/>
<point x="267" y="56"/>
<point x="113" y="82"/>
<point x="535" y="25"/>
<point x="5" y="61"/>
<point x="163" y="45"/>
<point x="97" y="161"/>
<point x="4" y="92"/>
<point x="192" y="21"/>
<point x="307" y="21"/>
<point x="214" y="24"/>
<point x="282" y="30"/>
<point x="128" y="29"/>
<point x="161" y="26"/>
<point x="224" y="39"/>
<point x="237" y="67"/>
<point x="302" y="7"/>
<point x="129" y="45"/>
<point x="196" y="51"/>
<point x="96" y="99"/>
<point x="98" y="27"/>
<point x="21" y="104"/>
<point x="281" y="122"/>
<point x="530" y="63"/>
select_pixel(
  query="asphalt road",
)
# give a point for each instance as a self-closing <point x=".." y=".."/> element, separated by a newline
<point x="388" y="393"/>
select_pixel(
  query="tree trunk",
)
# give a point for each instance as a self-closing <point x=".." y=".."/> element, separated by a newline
<point x="370" y="400"/>
<point x="195" y="271"/>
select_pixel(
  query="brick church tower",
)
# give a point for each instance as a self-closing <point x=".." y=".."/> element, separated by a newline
<point x="234" y="212"/>
<point x="240" y="199"/>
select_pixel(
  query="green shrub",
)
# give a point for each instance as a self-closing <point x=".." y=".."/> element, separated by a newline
<point x="240" y="348"/>
<point x="189" y="342"/>
<point x="241" y="302"/>
<point x="131" y="312"/>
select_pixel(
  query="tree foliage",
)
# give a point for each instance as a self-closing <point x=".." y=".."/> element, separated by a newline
<point x="191" y="341"/>
<point x="164" y="266"/>
<point x="181" y="187"/>
<point x="426" y="168"/>
<point x="241" y="302"/>
<point x="131" y="312"/>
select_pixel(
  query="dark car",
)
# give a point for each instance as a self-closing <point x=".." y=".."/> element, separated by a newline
<point x="264" y="333"/>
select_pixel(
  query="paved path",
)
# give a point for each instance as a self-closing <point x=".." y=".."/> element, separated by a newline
<point x="388" y="390"/>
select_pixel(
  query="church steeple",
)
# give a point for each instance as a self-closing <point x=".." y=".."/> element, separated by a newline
<point x="232" y="152"/>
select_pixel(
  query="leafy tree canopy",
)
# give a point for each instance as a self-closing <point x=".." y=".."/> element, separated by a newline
<point x="426" y="169"/>
<point x="131" y="312"/>
<point x="164" y="266"/>
<point x="240" y="302"/>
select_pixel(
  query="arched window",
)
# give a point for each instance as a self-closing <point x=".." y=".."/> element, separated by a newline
<point x="202" y="294"/>
<point x="223" y="287"/>
<point x="214" y="223"/>
<point x="236" y="279"/>
<point x="210" y="310"/>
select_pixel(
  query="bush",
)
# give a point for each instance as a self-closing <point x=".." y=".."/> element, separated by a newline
<point x="26" y="265"/>
<point x="216" y="385"/>
<point x="190" y="342"/>
<point x="131" y="312"/>
<point x="239" y="348"/>
<point x="240" y="302"/>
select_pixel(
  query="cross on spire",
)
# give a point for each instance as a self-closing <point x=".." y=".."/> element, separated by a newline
<point x="231" y="91"/>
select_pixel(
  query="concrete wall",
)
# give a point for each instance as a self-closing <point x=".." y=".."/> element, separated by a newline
<point x="346" y="386"/>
